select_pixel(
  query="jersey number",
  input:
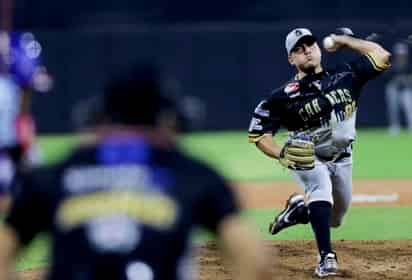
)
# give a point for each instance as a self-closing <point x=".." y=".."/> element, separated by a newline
<point x="350" y="109"/>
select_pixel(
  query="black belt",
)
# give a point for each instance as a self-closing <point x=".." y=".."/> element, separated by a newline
<point x="333" y="159"/>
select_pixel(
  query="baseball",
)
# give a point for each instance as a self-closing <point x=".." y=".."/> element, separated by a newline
<point x="328" y="42"/>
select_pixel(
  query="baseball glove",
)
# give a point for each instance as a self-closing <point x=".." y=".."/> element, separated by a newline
<point x="298" y="154"/>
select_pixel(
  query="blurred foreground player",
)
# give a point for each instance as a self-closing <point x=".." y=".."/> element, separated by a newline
<point x="21" y="73"/>
<point x="123" y="206"/>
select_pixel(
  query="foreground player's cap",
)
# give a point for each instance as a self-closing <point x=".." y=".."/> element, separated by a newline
<point x="136" y="97"/>
<point x="295" y="36"/>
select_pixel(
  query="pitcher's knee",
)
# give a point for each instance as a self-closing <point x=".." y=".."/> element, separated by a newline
<point x="335" y="224"/>
<point x="319" y="196"/>
<point x="336" y="221"/>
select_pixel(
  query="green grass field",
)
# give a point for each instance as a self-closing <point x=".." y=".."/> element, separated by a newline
<point x="377" y="156"/>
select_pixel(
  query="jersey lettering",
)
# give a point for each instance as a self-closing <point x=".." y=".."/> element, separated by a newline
<point x="255" y="125"/>
<point x="339" y="96"/>
<point x="316" y="106"/>
<point x="350" y="109"/>
<point x="310" y="109"/>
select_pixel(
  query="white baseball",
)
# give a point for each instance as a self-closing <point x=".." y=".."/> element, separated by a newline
<point x="328" y="42"/>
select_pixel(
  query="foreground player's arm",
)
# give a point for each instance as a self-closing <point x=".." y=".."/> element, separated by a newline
<point x="375" y="52"/>
<point x="8" y="249"/>
<point x="219" y="212"/>
<point x="243" y="247"/>
<point x="26" y="218"/>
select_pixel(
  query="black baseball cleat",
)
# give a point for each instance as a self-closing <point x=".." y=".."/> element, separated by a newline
<point x="295" y="212"/>
<point x="327" y="266"/>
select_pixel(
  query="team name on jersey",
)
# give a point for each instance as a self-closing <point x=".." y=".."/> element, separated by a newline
<point x="335" y="97"/>
<point x="149" y="208"/>
<point x="339" y="96"/>
<point x="310" y="109"/>
<point x="97" y="178"/>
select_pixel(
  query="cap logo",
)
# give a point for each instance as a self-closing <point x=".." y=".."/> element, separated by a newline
<point x="298" y="32"/>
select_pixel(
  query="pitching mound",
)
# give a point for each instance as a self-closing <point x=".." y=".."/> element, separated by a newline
<point x="366" y="260"/>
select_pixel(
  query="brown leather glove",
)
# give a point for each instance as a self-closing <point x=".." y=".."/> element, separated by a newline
<point x="298" y="154"/>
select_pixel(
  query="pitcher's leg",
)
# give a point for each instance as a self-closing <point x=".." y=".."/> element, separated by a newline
<point x="318" y="189"/>
<point x="316" y="183"/>
<point x="317" y="186"/>
<point x="341" y="190"/>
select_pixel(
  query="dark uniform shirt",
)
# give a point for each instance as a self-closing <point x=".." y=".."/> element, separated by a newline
<point x="311" y="102"/>
<point x="120" y="210"/>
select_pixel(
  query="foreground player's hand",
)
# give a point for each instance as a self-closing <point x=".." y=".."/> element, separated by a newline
<point x="298" y="154"/>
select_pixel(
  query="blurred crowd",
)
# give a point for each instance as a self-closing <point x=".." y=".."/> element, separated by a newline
<point x="398" y="90"/>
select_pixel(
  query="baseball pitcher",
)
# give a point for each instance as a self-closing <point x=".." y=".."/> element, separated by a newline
<point x="318" y="108"/>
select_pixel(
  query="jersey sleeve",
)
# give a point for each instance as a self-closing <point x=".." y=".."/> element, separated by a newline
<point x="265" y="120"/>
<point x="367" y="67"/>
<point x="28" y="214"/>
<point x="218" y="202"/>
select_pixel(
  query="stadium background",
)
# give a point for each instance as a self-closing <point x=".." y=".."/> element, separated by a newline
<point x="228" y="54"/>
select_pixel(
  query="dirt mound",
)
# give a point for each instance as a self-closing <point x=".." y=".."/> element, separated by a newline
<point x="366" y="260"/>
